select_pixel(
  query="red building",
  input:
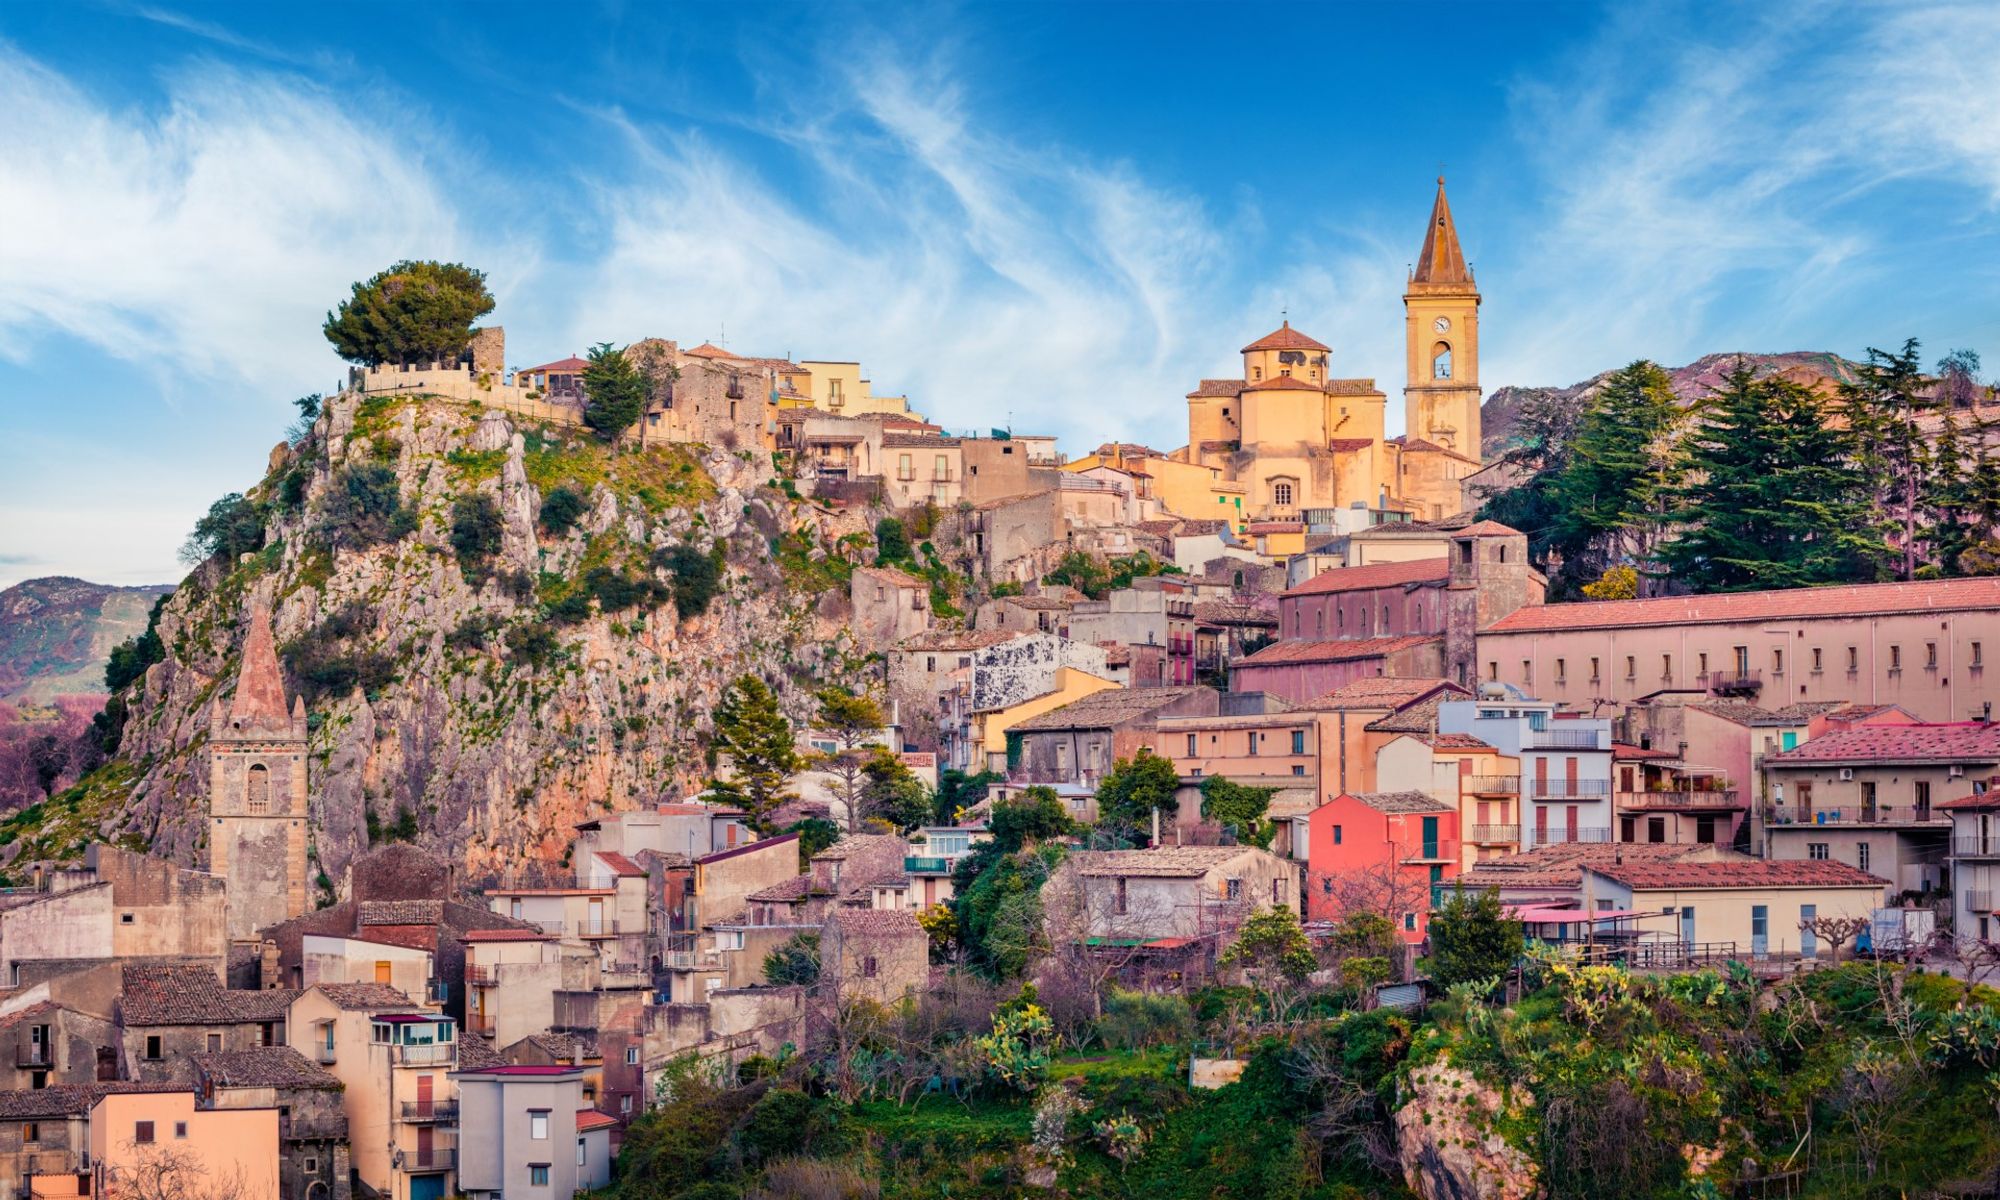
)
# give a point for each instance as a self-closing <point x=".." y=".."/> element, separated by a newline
<point x="1377" y="847"/>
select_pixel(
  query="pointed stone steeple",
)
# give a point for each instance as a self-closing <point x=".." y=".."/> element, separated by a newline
<point x="259" y="702"/>
<point x="1442" y="259"/>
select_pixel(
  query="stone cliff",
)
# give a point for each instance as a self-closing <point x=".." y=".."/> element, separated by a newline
<point x="491" y="689"/>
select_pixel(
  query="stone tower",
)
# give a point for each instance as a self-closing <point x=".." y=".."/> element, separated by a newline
<point x="1441" y="331"/>
<point x="257" y="791"/>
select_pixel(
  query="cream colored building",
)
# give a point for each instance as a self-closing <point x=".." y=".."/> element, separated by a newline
<point x="838" y="387"/>
<point x="1297" y="438"/>
<point x="1730" y="907"/>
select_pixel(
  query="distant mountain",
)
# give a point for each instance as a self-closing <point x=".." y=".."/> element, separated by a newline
<point x="1814" y="368"/>
<point x="57" y="632"/>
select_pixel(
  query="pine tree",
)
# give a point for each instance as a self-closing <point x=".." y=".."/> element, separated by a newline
<point x="1544" y="427"/>
<point x="1961" y="492"/>
<point x="1772" y="499"/>
<point x="1612" y="496"/>
<point x="1882" y="408"/>
<point x="614" y="392"/>
<point x="756" y="737"/>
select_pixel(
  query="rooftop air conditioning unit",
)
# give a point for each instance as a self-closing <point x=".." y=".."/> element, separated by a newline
<point x="1956" y="772"/>
<point x="1846" y="774"/>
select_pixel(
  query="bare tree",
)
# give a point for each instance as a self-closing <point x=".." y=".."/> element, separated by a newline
<point x="1837" y="931"/>
<point x="156" y="1172"/>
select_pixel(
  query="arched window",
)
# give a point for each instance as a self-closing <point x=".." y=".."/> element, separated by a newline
<point x="257" y="789"/>
<point x="1441" y="361"/>
<point x="1281" y="494"/>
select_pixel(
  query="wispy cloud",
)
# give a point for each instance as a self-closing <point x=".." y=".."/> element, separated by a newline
<point x="1714" y="186"/>
<point x="209" y="233"/>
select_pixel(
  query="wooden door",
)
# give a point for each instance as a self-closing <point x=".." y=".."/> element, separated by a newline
<point x="1570" y="821"/>
<point x="381" y="972"/>
<point x="424" y="1094"/>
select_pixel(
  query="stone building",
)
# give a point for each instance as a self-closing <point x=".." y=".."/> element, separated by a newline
<point x="1077" y="744"/>
<point x="889" y="605"/>
<point x="312" y="1126"/>
<point x="170" y="1013"/>
<point x="709" y="396"/>
<point x="56" y="1044"/>
<point x="880" y="954"/>
<point x="46" y="1132"/>
<point x="115" y="905"/>
<point x="257" y="791"/>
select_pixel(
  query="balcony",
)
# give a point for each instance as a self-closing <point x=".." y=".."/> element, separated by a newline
<point x="1559" y="834"/>
<point x="1492" y="785"/>
<point x="1981" y="901"/>
<point x="1976" y="847"/>
<point x="481" y="976"/>
<point x="31" y="1054"/>
<point x="323" y="1055"/>
<point x="1668" y="801"/>
<point x="1567" y="739"/>
<point x="925" y="865"/>
<point x="478" y="1022"/>
<point x="1429" y="852"/>
<point x="1496" y="835"/>
<point x="430" y="1112"/>
<point x="1568" y="789"/>
<point x="436" y="1054"/>
<point x="1736" y="683"/>
<point x="1859" y="814"/>
<point x="691" y="960"/>
<point x="424" y="1161"/>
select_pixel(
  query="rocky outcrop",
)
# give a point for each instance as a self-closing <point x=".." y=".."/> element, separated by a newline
<point x="439" y="691"/>
<point x="1448" y="1145"/>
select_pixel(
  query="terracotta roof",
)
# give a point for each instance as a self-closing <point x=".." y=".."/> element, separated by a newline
<point x="708" y="350"/>
<point x="1401" y="802"/>
<point x="1382" y="691"/>
<point x="1441" y="261"/>
<point x="619" y="864"/>
<point x="1971" y="741"/>
<point x="562" y="366"/>
<point x="401" y="912"/>
<point x="893" y="577"/>
<point x="185" y="994"/>
<point x="1848" y="600"/>
<point x="264" y="1066"/>
<point x="504" y="935"/>
<point x="371" y="997"/>
<point x="856" y="843"/>
<point x="1106" y="709"/>
<point x="1164" y="862"/>
<point x="1347" y="650"/>
<point x="1283" y="338"/>
<point x="876" y="922"/>
<point x="917" y="439"/>
<point x="1227" y="612"/>
<point x="259" y="701"/>
<point x="1561" y="864"/>
<point x="1746" y="873"/>
<point x="1351" y="387"/>
<point x="956" y="639"/>
<point x="1454" y="741"/>
<point x="1420" y="718"/>
<point x="1349" y="445"/>
<point x="1631" y="753"/>
<point x="1281" y="383"/>
<point x="66" y="1099"/>
<point x="1374" y="575"/>
<point x="1277" y="527"/>
<point x="33" y="1012"/>
<point x="588" y="1119"/>
<point x="551" y="891"/>
<point x="1978" y="802"/>
<point x="476" y="1053"/>
<point x="784" y="891"/>
<point x="1487" y="529"/>
<point x="565" y="1046"/>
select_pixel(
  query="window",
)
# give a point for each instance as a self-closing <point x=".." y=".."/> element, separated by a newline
<point x="1819" y="660"/>
<point x="1593" y="670"/>
<point x="1817" y="851"/>
<point x="1298" y="769"/>
<point x="538" y="1174"/>
<point x="1861" y="855"/>
<point x="1441" y="361"/>
<point x="1930" y="656"/>
<point x="1631" y="667"/>
<point x="1853" y="659"/>
<point x="1251" y="737"/>
<point x="257" y="789"/>
<point x="142" y="1133"/>
<point x="1527" y="671"/>
<point x="905" y="467"/>
<point x="1493" y="672"/>
<point x="124" y="918"/>
<point x="1777" y="662"/>
<point x="1319" y="621"/>
<point x="868" y="967"/>
<point x="941" y="468"/>
<point x="1701" y="665"/>
<point x="538" y="1124"/>
<point x="1562" y="670"/>
<point x="181" y="1130"/>
<point x="1190" y="749"/>
<point x="1977" y="662"/>
<point x="1118" y="901"/>
<point x="1281" y="494"/>
<point x="1895" y="658"/>
<point x="215" y="1043"/>
<point x="31" y="1132"/>
<point x="1232" y="889"/>
<point x="631" y="1056"/>
<point x="1666" y="666"/>
<point x="1410" y="921"/>
<point x="624" y="1104"/>
<point x="153" y="1047"/>
<point x="1336" y="835"/>
<point x="580" y="1152"/>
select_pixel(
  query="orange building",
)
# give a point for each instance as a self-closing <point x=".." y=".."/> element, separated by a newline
<point x="140" y="1139"/>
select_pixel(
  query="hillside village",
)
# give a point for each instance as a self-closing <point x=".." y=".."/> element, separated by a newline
<point x="1276" y="715"/>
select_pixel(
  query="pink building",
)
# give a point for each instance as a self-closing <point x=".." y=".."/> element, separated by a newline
<point x="1922" y="646"/>
<point x="1400" y="843"/>
<point x="1300" y="672"/>
<point x="136" y="1136"/>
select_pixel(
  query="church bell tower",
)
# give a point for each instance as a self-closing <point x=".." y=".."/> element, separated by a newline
<point x="1441" y="332"/>
<point x="257" y="790"/>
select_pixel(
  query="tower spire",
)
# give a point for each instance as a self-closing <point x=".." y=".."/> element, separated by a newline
<point x="1442" y="259"/>
<point x="260" y="687"/>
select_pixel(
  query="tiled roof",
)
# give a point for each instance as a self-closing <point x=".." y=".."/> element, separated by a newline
<point x="924" y="440"/>
<point x="876" y="922"/>
<point x="65" y="1099"/>
<point x="1745" y="873"/>
<point x="1849" y="600"/>
<point x="1629" y="753"/>
<point x="1488" y="529"/>
<point x="1346" y="650"/>
<point x="1561" y="864"/>
<point x="588" y="1119"/>
<point x="178" y="994"/>
<point x="1978" y="802"/>
<point x="1281" y="383"/>
<point x="1165" y="862"/>
<point x="893" y="577"/>
<point x="857" y="843"/>
<point x="1106" y="709"/>
<point x="1401" y="802"/>
<point x="504" y="935"/>
<point x="956" y="639"/>
<point x="476" y="1053"/>
<point x="1420" y="718"/>
<point x="1454" y="741"/>
<point x="1283" y="338"/>
<point x="33" y="1012"/>
<point x="368" y="997"/>
<point x="1382" y="691"/>
<point x="264" y="1066"/>
<point x="784" y="891"/>
<point x="1277" y="527"/>
<point x="1972" y="741"/>
<point x="1351" y="387"/>
<point x="565" y="1046"/>
<point x="561" y="366"/>
<point x="401" y="912"/>
<point x="708" y="350"/>
<point x="1225" y="612"/>
<point x="1374" y="575"/>
<point x="619" y="864"/>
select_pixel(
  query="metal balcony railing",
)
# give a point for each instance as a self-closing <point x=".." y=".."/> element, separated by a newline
<point x="1853" y="814"/>
<point x="1715" y="798"/>
<point x="1727" y="682"/>
<point x="1566" y="739"/>
<point x="1556" y="834"/>
<point x="481" y="976"/>
<point x="1567" y="789"/>
<point x="1976" y="847"/>
<point x="692" y="960"/>
<point x="1981" y="901"/>
<point x="926" y="865"/>
<point x="1429" y="852"/>
<point x="437" y="1158"/>
<point x="480" y="1023"/>
<point x="1493" y="785"/>
<point x="430" y="1112"/>
<point x="438" y="1054"/>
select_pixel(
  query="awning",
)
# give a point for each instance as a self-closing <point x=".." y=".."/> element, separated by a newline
<point x="1538" y="914"/>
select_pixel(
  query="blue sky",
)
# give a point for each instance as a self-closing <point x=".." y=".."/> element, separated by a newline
<point x="1054" y="215"/>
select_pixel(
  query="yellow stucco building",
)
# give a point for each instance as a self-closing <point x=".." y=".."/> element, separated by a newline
<point x="1294" y="437"/>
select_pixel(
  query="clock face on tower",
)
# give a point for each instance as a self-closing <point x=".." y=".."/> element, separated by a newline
<point x="1441" y="324"/>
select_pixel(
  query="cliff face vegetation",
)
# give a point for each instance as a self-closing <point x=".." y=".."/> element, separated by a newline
<point x="500" y="630"/>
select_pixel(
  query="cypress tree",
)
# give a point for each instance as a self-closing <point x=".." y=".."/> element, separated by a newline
<point x="753" y="732"/>
<point x="614" y="392"/>
<point x="1612" y="496"/>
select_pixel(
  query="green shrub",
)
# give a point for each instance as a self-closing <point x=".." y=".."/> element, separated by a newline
<point x="562" y="508"/>
<point x="796" y="962"/>
<point x="365" y="508"/>
<point x="232" y="526"/>
<point x="533" y="643"/>
<point x="475" y="531"/>
<point x="1133" y="1020"/>
<point x="697" y="576"/>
